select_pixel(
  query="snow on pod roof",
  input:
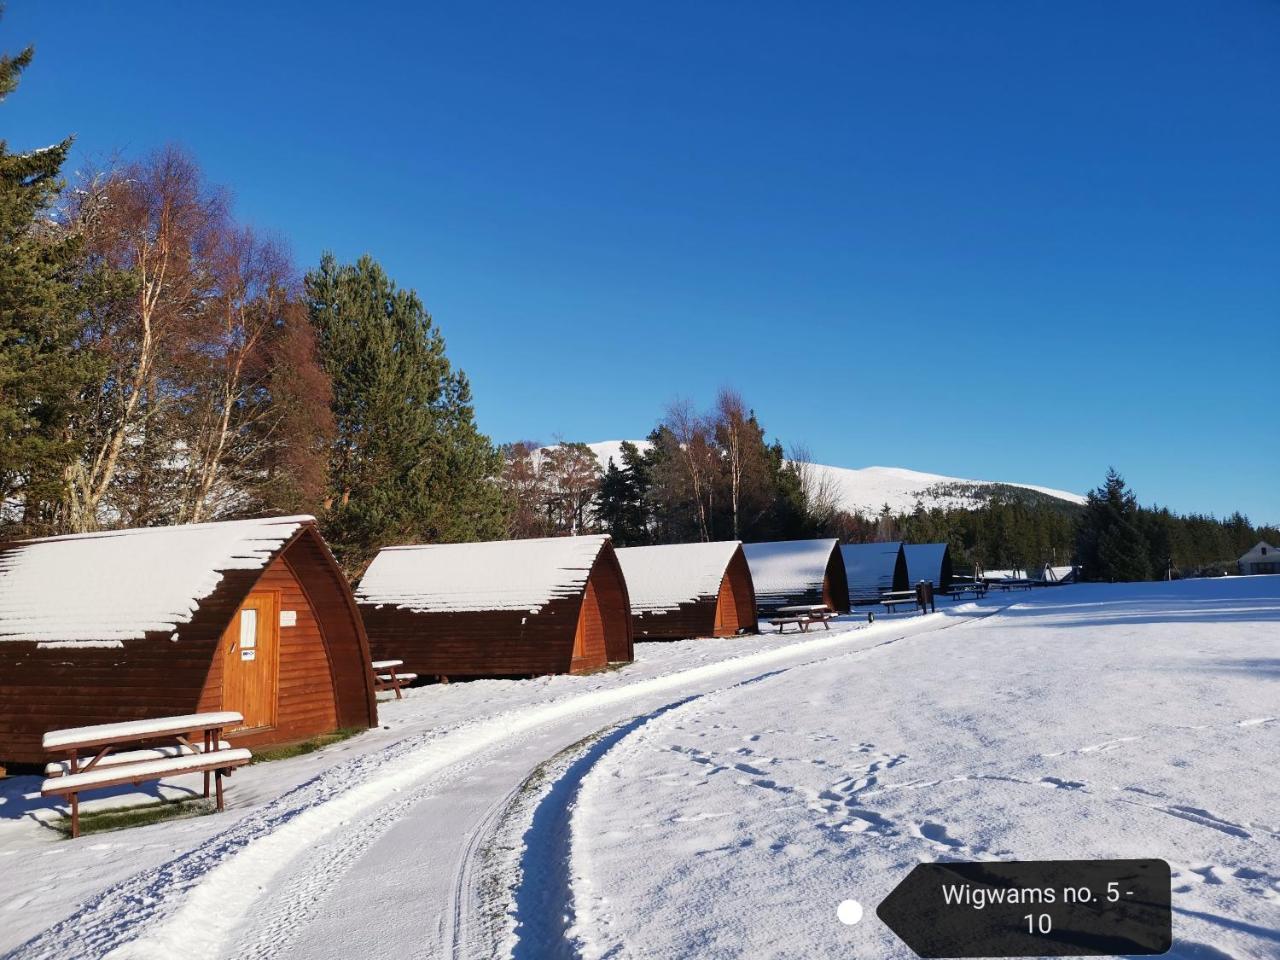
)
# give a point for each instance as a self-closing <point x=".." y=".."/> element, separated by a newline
<point x="96" y="589"/>
<point x="469" y="577"/>
<point x="661" y="578"/>
<point x="924" y="561"/>
<point x="870" y="567"/>
<point x="787" y="568"/>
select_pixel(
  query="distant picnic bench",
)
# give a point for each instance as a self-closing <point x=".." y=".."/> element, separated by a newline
<point x="387" y="676"/>
<point x="1007" y="585"/>
<point x="195" y="746"/>
<point x="892" y="599"/>
<point x="958" y="590"/>
<point x="803" y="616"/>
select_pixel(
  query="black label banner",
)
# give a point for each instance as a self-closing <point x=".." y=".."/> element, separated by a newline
<point x="1033" y="908"/>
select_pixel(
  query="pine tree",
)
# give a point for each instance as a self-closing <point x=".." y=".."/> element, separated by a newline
<point x="620" y="504"/>
<point x="1109" y="542"/>
<point x="40" y="369"/>
<point x="409" y="464"/>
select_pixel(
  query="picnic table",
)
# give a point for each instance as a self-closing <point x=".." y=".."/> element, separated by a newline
<point x="1007" y="585"/>
<point x="193" y="744"/>
<point x="960" y="589"/>
<point x="803" y="615"/>
<point x="387" y="676"/>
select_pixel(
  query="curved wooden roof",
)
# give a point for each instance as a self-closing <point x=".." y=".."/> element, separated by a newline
<point x="662" y="578"/>
<point x="470" y="577"/>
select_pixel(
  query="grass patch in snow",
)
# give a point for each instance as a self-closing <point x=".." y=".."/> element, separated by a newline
<point x="310" y="745"/>
<point x="122" y="818"/>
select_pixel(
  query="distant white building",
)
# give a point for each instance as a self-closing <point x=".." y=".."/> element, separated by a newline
<point x="1263" y="558"/>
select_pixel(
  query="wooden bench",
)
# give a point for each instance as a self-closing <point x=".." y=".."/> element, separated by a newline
<point x="386" y="676"/>
<point x="892" y="599"/>
<point x="197" y="747"/>
<point x="892" y="604"/>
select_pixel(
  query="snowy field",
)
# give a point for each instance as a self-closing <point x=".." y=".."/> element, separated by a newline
<point x="719" y="797"/>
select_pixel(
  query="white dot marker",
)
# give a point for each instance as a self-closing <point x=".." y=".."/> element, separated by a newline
<point x="849" y="912"/>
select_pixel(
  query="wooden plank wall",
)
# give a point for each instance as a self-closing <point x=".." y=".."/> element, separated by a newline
<point x="736" y="604"/>
<point x="615" y="606"/>
<point x="346" y="644"/>
<point x="696" y="619"/>
<point x="835" y="585"/>
<point x="306" y="704"/>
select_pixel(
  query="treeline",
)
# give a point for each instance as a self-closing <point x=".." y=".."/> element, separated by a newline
<point x="1110" y="538"/>
<point x="701" y="476"/>
<point x="681" y="488"/>
<point x="161" y="362"/>
<point x="1116" y="539"/>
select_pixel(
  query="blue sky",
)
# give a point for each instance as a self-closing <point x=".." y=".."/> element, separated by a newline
<point x="1055" y="226"/>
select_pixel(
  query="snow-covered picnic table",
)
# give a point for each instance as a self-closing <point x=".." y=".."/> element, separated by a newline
<point x="387" y="676"/>
<point x="802" y="615"/>
<point x="197" y="747"/>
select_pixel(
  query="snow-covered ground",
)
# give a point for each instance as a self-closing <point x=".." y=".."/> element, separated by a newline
<point x="866" y="490"/>
<point x="719" y="797"/>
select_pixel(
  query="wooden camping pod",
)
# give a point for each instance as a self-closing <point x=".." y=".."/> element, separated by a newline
<point x="688" y="590"/>
<point x="874" y="568"/>
<point x="308" y="673"/>
<point x="929" y="561"/>
<point x="513" y="608"/>
<point x="788" y="572"/>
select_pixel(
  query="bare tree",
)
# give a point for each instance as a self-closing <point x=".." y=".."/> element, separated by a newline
<point x="211" y="400"/>
<point x="571" y="476"/>
<point x="524" y="489"/>
<point x="694" y="436"/>
<point x="157" y="222"/>
<point x="230" y="417"/>
<point x="731" y="431"/>
<point x="821" y="494"/>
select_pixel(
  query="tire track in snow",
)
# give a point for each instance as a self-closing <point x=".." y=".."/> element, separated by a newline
<point x="544" y="898"/>
<point x="192" y="905"/>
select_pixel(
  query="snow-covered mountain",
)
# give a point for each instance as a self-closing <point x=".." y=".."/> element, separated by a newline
<point x="866" y="490"/>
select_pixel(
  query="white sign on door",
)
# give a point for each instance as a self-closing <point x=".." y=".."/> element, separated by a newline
<point x="248" y="630"/>
<point x="248" y="654"/>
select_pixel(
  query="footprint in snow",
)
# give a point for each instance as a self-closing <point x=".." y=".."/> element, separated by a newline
<point x="937" y="833"/>
<point x="868" y="821"/>
<point x="1107" y="745"/>
<point x="1057" y="784"/>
